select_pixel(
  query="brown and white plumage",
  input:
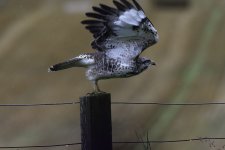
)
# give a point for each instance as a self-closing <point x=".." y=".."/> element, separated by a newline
<point x="120" y="35"/>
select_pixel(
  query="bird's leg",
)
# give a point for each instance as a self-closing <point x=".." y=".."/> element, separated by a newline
<point x="96" y="87"/>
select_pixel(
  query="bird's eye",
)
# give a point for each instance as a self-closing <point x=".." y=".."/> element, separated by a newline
<point x="147" y="61"/>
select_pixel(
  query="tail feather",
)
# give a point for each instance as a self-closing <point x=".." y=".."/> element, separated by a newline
<point x="63" y="65"/>
<point x="83" y="60"/>
<point x="59" y="66"/>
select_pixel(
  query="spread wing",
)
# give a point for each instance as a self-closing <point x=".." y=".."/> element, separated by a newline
<point x="123" y="31"/>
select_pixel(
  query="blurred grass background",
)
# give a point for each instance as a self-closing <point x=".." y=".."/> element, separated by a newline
<point x="190" y="59"/>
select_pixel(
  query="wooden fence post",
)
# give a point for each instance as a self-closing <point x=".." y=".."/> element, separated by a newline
<point x="96" y="124"/>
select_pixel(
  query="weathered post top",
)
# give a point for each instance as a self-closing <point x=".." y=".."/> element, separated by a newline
<point x="96" y="126"/>
<point x="96" y="95"/>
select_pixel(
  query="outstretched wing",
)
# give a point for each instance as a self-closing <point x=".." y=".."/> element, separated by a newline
<point x="123" y="31"/>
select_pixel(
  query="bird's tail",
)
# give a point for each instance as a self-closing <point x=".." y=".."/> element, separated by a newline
<point x="61" y="66"/>
<point x="82" y="60"/>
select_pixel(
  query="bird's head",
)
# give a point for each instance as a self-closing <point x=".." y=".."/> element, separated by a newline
<point x="143" y="63"/>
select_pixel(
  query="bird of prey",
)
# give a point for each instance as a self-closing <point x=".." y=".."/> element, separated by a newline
<point x="120" y="34"/>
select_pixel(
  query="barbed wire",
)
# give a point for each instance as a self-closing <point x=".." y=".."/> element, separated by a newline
<point x="40" y="146"/>
<point x="115" y="103"/>
<point x="39" y="104"/>
<point x="172" y="141"/>
<point x="126" y="142"/>
<point x="170" y="104"/>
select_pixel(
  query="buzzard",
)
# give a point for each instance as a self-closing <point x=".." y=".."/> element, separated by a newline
<point x="120" y="34"/>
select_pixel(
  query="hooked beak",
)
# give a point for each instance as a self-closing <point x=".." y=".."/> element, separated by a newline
<point x="153" y="63"/>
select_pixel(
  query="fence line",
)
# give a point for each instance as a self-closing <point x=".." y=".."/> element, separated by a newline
<point x="128" y="142"/>
<point x="115" y="103"/>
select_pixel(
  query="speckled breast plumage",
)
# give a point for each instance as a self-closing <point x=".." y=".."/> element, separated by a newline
<point x="105" y="68"/>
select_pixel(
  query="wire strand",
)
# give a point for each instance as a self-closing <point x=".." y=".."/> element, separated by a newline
<point x="115" y="103"/>
<point x="126" y="142"/>
<point x="171" y="141"/>
<point x="40" y="146"/>
<point x="39" y="104"/>
<point x="169" y="104"/>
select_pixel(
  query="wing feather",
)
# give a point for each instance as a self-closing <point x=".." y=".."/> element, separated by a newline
<point x="127" y="4"/>
<point x="137" y="5"/>
<point x="119" y="6"/>
<point x="101" y="11"/>
<point x="92" y="22"/>
<point x="95" y="15"/>
<point x="109" y="9"/>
